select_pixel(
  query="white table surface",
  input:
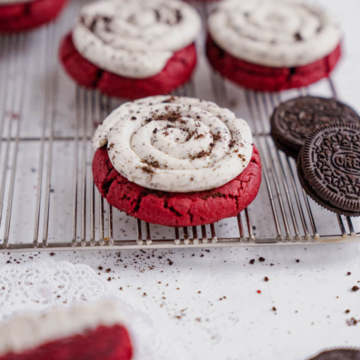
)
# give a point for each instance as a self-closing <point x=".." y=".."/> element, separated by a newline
<point x="211" y="296"/>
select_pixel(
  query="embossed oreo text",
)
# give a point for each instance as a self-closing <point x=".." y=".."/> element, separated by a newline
<point x="336" y="156"/>
<point x="348" y="162"/>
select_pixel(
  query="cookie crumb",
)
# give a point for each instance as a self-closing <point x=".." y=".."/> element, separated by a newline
<point x="352" y="322"/>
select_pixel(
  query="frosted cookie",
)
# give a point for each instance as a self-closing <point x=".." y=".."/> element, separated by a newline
<point x="132" y="48"/>
<point x="176" y="161"/>
<point x="272" y="45"/>
<point x="19" y="15"/>
<point x="82" y="332"/>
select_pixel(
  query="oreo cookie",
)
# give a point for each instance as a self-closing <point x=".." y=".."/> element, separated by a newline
<point x="294" y="120"/>
<point x="338" y="354"/>
<point x="329" y="168"/>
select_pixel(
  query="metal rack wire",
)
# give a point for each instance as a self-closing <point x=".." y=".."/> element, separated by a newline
<point x="94" y="224"/>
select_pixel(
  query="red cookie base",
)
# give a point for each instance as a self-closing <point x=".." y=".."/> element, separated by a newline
<point x="262" y="78"/>
<point x="103" y="343"/>
<point x="177" y="71"/>
<point x="24" y="16"/>
<point x="176" y="209"/>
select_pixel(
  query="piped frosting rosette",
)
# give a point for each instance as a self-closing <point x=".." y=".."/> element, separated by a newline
<point x="176" y="144"/>
<point x="134" y="38"/>
<point x="274" y="33"/>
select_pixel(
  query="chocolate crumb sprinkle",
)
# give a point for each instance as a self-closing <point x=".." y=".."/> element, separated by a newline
<point x="298" y="37"/>
<point x="147" y="169"/>
<point x="352" y="322"/>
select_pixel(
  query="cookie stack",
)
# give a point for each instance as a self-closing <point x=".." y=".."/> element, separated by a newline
<point x="324" y="136"/>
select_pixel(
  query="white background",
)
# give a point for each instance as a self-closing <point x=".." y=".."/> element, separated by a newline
<point x="310" y="296"/>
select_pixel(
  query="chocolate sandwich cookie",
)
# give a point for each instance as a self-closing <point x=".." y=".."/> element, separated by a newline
<point x="294" y="120"/>
<point x="338" y="354"/>
<point x="329" y="168"/>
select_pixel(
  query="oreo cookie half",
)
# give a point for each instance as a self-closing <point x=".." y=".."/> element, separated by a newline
<point x="294" y="120"/>
<point x="338" y="354"/>
<point x="329" y="168"/>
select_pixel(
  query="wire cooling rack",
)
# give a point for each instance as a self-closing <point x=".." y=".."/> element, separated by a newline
<point x="47" y="197"/>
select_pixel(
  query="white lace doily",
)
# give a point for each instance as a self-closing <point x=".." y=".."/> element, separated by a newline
<point x="40" y="285"/>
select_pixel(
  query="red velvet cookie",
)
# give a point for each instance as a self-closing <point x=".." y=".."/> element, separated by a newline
<point x="177" y="209"/>
<point x="132" y="50"/>
<point x="85" y="331"/>
<point x="177" y="71"/>
<point x="262" y="78"/>
<point x="28" y="15"/>
<point x="272" y="45"/>
<point x="103" y="343"/>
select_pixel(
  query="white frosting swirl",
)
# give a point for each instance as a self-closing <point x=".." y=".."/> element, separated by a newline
<point x="134" y="38"/>
<point x="176" y="144"/>
<point x="275" y="33"/>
